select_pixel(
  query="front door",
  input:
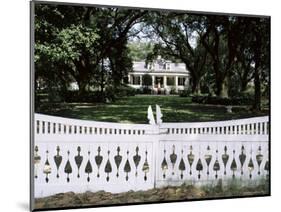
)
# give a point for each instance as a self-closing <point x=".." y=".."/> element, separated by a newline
<point x="158" y="82"/>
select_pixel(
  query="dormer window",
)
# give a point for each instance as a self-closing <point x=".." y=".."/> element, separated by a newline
<point x="150" y="66"/>
<point x="161" y="64"/>
<point x="168" y="66"/>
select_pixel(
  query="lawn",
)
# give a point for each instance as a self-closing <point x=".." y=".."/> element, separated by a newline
<point x="134" y="110"/>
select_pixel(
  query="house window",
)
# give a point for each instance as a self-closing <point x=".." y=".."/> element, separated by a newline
<point x="150" y="66"/>
<point x="161" y="65"/>
<point x="136" y="80"/>
<point x="181" y="81"/>
<point x="168" y="66"/>
<point x="170" y="81"/>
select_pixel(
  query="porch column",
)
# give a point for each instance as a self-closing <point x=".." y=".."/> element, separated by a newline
<point x="176" y="83"/>
<point x="129" y="79"/>
<point x="165" y="81"/>
<point x="153" y="81"/>
<point x="186" y="82"/>
<point x="140" y="79"/>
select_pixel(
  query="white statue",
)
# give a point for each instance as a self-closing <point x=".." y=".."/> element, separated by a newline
<point x="159" y="115"/>
<point x="150" y="116"/>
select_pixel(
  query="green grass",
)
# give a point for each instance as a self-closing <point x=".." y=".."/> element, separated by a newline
<point x="134" y="110"/>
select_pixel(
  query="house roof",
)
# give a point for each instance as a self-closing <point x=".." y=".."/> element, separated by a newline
<point x="158" y="67"/>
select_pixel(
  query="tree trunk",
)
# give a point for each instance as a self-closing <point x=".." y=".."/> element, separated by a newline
<point x="195" y="80"/>
<point x="195" y="87"/>
<point x="83" y="67"/>
<point x="257" y="58"/>
<point x="102" y="81"/>
<point x="82" y="89"/>
<point x="243" y="86"/>
<point x="222" y="87"/>
<point x="257" y="102"/>
<point x="224" y="90"/>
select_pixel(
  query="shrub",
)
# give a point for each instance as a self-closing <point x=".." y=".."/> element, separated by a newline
<point x="138" y="91"/>
<point x="173" y="90"/>
<point x="222" y="101"/>
<point x="185" y="93"/>
<point x="212" y="100"/>
<point x="74" y="96"/>
<point x="244" y="98"/>
<point x="112" y="93"/>
<point x="146" y="90"/>
<point x="124" y="90"/>
<point x="109" y="94"/>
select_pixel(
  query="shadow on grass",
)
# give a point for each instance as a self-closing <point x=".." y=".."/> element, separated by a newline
<point x="134" y="110"/>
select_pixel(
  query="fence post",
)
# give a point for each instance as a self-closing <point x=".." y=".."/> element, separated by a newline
<point x="154" y="136"/>
<point x="156" y="153"/>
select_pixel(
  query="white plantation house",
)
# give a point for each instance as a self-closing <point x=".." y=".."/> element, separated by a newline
<point x="166" y="76"/>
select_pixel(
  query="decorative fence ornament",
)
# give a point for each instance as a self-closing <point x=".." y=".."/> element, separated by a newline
<point x="159" y="115"/>
<point x="197" y="153"/>
<point x="150" y="115"/>
<point x="58" y="160"/>
<point x="88" y="168"/>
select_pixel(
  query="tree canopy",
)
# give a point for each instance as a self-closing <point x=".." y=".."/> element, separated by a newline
<point x="95" y="48"/>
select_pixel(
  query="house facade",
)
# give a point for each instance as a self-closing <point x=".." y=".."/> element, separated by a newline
<point x="167" y="77"/>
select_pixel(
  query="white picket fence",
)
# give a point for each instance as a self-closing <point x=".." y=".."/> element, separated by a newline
<point x="78" y="155"/>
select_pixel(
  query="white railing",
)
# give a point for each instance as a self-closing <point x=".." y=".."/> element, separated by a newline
<point x="77" y="155"/>
<point x="251" y="126"/>
<point x="51" y="125"/>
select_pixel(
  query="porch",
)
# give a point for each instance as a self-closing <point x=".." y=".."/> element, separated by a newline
<point x="160" y="83"/>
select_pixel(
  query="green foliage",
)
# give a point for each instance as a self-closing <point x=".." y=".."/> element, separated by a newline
<point x="179" y="40"/>
<point x="109" y="95"/>
<point x="85" y="45"/>
<point x="120" y="91"/>
<point x="146" y="90"/>
<point x="173" y="90"/>
<point x="185" y="93"/>
<point x="69" y="45"/>
<point x="139" y="51"/>
<point x="216" y="100"/>
<point x="87" y="97"/>
<point x="95" y="47"/>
